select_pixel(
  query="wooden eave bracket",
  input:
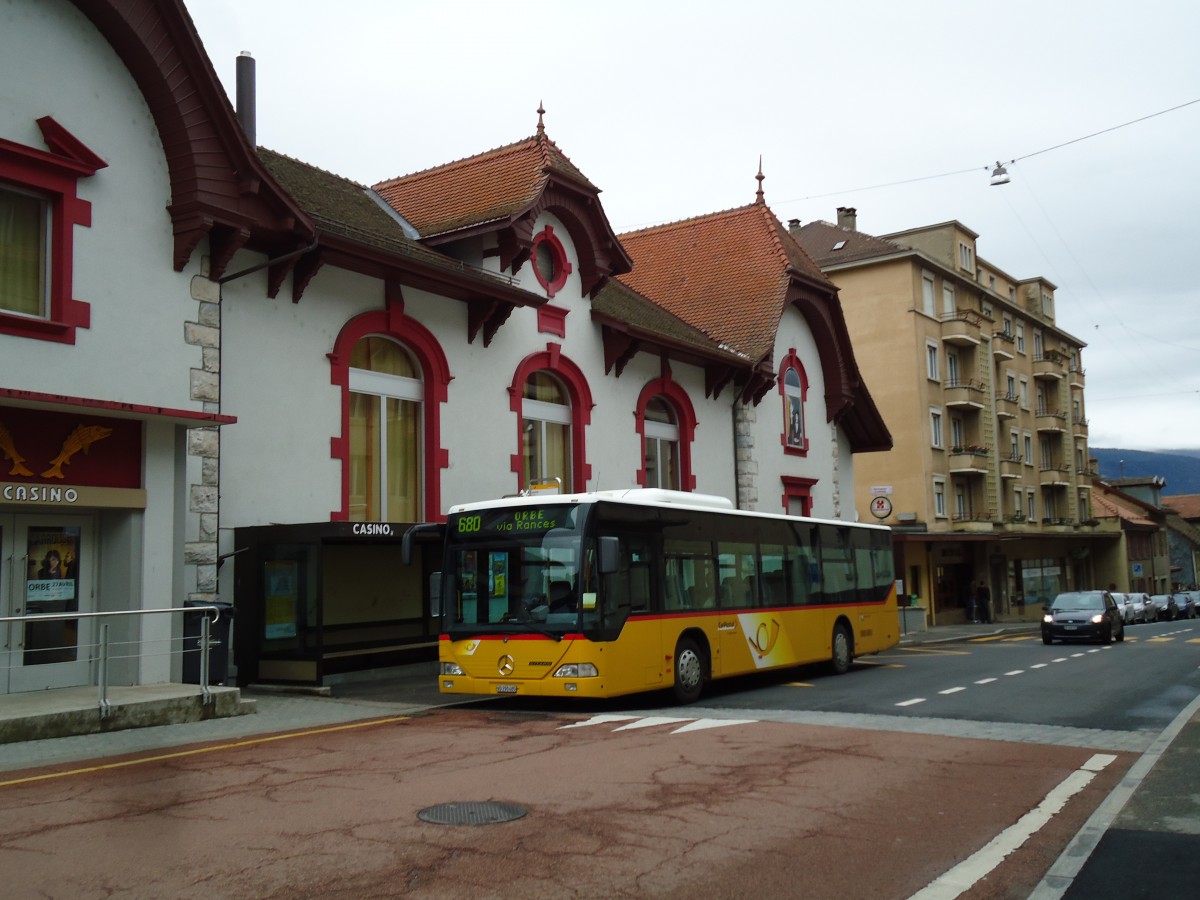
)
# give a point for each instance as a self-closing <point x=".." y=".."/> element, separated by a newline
<point x="190" y="229"/>
<point x="619" y="349"/>
<point x="488" y="316"/>
<point x="716" y="377"/>
<point x="304" y="269"/>
<point x="224" y="241"/>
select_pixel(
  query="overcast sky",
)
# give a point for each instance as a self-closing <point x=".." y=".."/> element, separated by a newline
<point x="667" y="107"/>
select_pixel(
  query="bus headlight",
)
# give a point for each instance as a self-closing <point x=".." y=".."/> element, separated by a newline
<point x="577" y="670"/>
<point x="452" y="669"/>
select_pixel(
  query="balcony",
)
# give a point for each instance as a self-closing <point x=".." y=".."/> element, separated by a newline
<point x="1012" y="466"/>
<point x="1075" y="376"/>
<point x="963" y="393"/>
<point x="969" y="460"/>
<point x="1006" y="406"/>
<point x="1051" y="420"/>
<point x="965" y="520"/>
<point x="962" y="328"/>
<point x="1055" y="475"/>
<point x="1081" y="424"/>
<point x="1002" y="345"/>
<point x="1049" y="366"/>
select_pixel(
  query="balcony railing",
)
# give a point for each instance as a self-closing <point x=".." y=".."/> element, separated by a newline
<point x="1011" y="466"/>
<point x="962" y="328"/>
<point x="1049" y="365"/>
<point x="1075" y="375"/>
<point x="1051" y="420"/>
<point x="1080" y="423"/>
<point x="1054" y="475"/>
<point x="969" y="460"/>
<point x="1002" y="344"/>
<point x="1006" y="406"/>
<point x="964" y="393"/>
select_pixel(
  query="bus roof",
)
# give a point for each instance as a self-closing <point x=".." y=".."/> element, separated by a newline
<point x="644" y="497"/>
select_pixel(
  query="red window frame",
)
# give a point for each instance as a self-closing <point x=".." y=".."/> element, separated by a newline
<point x="393" y="324"/>
<point x="54" y="176"/>
<point x="685" y="415"/>
<point x="792" y="361"/>
<point x="562" y="265"/>
<point x="795" y="488"/>
<point x="573" y="379"/>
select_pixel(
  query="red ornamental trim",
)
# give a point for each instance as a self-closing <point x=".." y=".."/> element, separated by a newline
<point x="392" y="323"/>
<point x="53" y="176"/>
<point x="560" y="265"/>
<point x="792" y="361"/>
<point x="686" y="420"/>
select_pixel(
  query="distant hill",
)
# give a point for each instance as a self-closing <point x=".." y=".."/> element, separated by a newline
<point x="1180" y="468"/>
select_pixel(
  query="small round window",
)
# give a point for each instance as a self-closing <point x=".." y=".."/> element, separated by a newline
<point x="550" y="263"/>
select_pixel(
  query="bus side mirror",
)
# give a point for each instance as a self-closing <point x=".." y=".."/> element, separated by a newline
<point x="435" y="595"/>
<point x="609" y="555"/>
<point x="437" y="529"/>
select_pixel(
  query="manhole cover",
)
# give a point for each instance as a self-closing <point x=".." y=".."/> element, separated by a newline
<point x="470" y="813"/>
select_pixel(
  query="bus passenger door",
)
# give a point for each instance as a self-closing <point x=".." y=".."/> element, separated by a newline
<point x="633" y="650"/>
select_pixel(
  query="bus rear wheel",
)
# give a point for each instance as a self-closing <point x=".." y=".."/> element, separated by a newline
<point x="843" y="652"/>
<point x="689" y="671"/>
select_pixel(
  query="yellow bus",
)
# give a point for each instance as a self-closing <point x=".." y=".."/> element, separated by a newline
<point x="613" y="592"/>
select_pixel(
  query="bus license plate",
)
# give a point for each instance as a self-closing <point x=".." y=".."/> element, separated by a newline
<point x="506" y="689"/>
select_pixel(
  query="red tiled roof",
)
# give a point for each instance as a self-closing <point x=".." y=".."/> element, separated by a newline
<point x="726" y="273"/>
<point x="1106" y="507"/>
<point x="499" y="184"/>
<point x="1187" y="505"/>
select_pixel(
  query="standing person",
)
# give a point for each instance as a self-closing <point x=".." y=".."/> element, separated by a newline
<point x="983" y="601"/>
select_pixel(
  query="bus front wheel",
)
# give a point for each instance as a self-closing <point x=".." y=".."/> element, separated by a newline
<point x="689" y="671"/>
<point x="843" y="653"/>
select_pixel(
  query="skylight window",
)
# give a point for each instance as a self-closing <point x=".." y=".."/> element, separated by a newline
<point x="839" y="245"/>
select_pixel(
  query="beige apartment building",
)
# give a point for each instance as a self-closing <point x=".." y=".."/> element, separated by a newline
<point x="984" y="397"/>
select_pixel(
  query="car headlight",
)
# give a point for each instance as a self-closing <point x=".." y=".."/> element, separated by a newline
<point x="1097" y="618"/>
<point x="451" y="669"/>
<point x="577" y="670"/>
<point x="1048" y="619"/>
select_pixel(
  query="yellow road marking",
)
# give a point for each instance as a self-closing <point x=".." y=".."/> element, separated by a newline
<point x="876" y="662"/>
<point x="935" y="652"/>
<point x="990" y="637"/>
<point x="182" y="753"/>
<point x="798" y="684"/>
<point x="1193" y="640"/>
<point x="1159" y="640"/>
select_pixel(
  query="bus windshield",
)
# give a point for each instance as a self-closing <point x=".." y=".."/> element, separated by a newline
<point x="515" y="569"/>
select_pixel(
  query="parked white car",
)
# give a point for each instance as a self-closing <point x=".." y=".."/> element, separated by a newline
<point x="1125" y="605"/>
<point x="1143" y="609"/>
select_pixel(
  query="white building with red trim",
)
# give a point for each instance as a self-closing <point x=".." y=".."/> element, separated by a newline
<point x="257" y="373"/>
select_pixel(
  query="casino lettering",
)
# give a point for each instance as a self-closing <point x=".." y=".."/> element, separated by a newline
<point x="39" y="493"/>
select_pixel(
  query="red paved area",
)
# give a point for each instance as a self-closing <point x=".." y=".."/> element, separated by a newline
<point x="761" y="809"/>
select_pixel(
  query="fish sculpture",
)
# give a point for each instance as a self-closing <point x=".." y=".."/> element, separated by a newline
<point x="9" y="449"/>
<point x="81" y="438"/>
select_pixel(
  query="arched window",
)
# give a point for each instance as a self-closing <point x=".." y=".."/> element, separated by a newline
<point x="793" y="388"/>
<point x="553" y="403"/>
<point x="666" y="424"/>
<point x="546" y="433"/>
<point x="661" y="442"/>
<point x="386" y="394"/>
<point x="393" y="377"/>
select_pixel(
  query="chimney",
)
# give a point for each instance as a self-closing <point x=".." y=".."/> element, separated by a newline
<point x="246" y="112"/>
<point x="793" y="227"/>
<point x="848" y="218"/>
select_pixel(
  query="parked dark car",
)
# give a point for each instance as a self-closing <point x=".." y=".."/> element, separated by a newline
<point x="1185" y="604"/>
<point x="1164" y="606"/>
<point x="1083" y="616"/>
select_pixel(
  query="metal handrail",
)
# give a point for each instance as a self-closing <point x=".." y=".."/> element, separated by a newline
<point x="205" y="642"/>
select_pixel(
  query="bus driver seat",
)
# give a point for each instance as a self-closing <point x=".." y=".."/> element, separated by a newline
<point x="562" y="598"/>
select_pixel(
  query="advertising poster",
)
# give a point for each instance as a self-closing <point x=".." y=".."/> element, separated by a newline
<point x="281" y="581"/>
<point x="52" y="556"/>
